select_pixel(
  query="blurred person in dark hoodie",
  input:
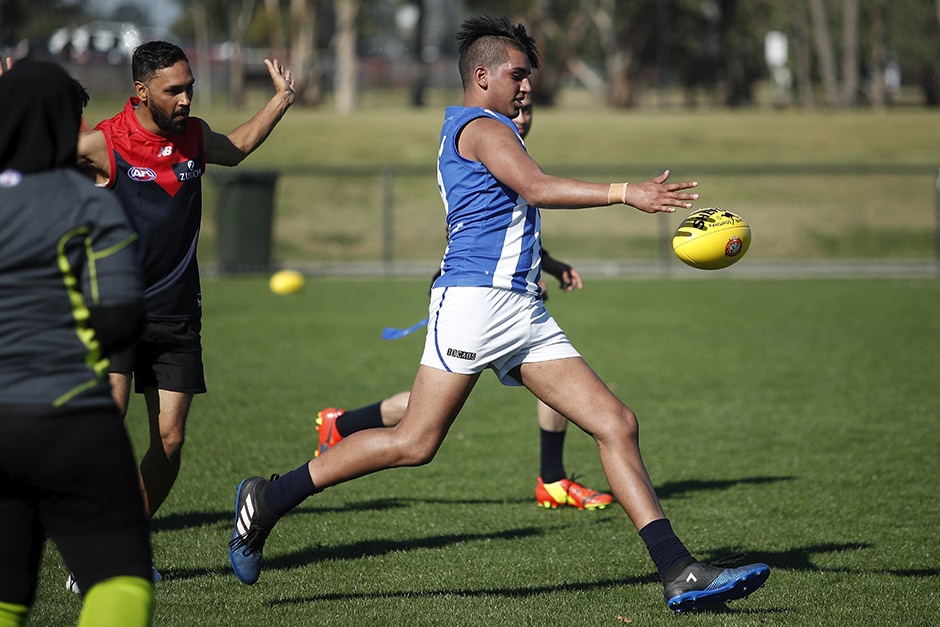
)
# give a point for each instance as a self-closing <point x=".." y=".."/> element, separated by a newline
<point x="70" y="293"/>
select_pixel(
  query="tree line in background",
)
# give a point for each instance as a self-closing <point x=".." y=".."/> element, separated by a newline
<point x="833" y="53"/>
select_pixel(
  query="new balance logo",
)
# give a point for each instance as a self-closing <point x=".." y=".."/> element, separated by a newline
<point x="165" y="151"/>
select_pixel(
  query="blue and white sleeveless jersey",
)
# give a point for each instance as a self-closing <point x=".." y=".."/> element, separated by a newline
<point x="493" y="233"/>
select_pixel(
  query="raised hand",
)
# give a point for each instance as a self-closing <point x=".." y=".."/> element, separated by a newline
<point x="282" y="79"/>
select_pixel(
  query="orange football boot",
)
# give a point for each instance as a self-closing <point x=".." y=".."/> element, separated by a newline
<point x="326" y="428"/>
<point x="568" y="492"/>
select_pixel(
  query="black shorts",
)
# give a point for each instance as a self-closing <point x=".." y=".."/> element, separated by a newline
<point x="69" y="474"/>
<point x="168" y="356"/>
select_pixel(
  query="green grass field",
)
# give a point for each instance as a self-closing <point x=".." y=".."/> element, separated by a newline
<point x="791" y="419"/>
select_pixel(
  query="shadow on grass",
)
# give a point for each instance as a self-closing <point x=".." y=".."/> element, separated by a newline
<point x="916" y="573"/>
<point x="681" y="489"/>
<point x="802" y="559"/>
<point x="515" y="593"/>
<point x="359" y="550"/>
<point x="509" y="593"/>
<point x="376" y="548"/>
<point x="796" y="559"/>
<point x="186" y="520"/>
<point x="675" y="489"/>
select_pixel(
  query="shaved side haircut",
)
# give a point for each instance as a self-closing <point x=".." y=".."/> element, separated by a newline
<point x="483" y="41"/>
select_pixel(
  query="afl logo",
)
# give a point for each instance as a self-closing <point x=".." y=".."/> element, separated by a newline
<point x="733" y="247"/>
<point x="141" y="175"/>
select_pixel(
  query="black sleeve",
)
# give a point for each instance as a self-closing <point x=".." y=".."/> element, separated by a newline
<point x="116" y="326"/>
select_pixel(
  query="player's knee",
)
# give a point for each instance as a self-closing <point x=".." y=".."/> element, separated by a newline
<point x="172" y="442"/>
<point x="623" y="427"/>
<point x="419" y="456"/>
<point x="630" y="423"/>
<point x="413" y="451"/>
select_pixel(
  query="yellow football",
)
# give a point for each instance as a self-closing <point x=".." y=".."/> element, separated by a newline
<point x="286" y="282"/>
<point x="711" y="239"/>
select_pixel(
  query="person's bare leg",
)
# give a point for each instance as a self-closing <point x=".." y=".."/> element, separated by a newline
<point x="549" y="419"/>
<point x="393" y="408"/>
<point x="120" y="391"/>
<point x="436" y="398"/>
<point x="590" y="404"/>
<point x="160" y="466"/>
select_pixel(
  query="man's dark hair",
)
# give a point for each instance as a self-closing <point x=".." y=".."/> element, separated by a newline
<point x="153" y="56"/>
<point x="483" y="40"/>
<point x="81" y="96"/>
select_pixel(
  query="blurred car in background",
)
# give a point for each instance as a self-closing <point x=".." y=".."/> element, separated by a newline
<point x="99" y="41"/>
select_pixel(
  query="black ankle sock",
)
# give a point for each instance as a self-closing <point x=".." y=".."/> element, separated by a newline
<point x="368" y="417"/>
<point x="552" y="444"/>
<point x="288" y="491"/>
<point x="666" y="550"/>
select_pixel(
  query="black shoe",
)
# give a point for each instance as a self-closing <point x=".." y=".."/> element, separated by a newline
<point x="702" y="584"/>
<point x="253" y="523"/>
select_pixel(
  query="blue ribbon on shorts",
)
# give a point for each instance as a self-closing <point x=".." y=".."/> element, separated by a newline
<point x="390" y="333"/>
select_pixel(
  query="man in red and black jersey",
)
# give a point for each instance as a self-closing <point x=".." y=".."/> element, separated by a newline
<point x="153" y="155"/>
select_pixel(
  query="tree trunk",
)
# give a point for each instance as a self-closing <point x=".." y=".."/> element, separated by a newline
<point x="617" y="58"/>
<point x="347" y="71"/>
<point x="734" y="57"/>
<point x="850" y="61"/>
<point x="203" y="68"/>
<point x="825" y="52"/>
<point x="305" y="66"/>
<point x="275" y="29"/>
<point x="545" y="80"/>
<point x="238" y="23"/>
<point x="877" y="92"/>
<point x="419" y="78"/>
<point x="804" y="60"/>
<point x="557" y="44"/>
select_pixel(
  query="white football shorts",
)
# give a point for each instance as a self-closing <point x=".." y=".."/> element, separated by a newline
<point x="473" y="328"/>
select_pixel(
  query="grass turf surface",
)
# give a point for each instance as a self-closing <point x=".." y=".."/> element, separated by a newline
<point x="791" y="419"/>
<point x="794" y="420"/>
